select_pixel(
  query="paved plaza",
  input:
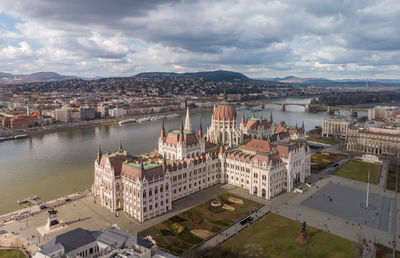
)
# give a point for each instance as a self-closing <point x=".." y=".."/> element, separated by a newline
<point x="350" y="204"/>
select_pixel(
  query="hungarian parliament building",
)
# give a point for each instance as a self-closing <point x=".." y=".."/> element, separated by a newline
<point x="261" y="156"/>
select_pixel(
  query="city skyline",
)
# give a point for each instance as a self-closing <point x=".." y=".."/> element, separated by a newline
<point x="355" y="39"/>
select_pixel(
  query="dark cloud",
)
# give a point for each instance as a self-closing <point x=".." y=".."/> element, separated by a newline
<point x="304" y="36"/>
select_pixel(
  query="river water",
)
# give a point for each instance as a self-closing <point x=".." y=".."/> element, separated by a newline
<point x="55" y="164"/>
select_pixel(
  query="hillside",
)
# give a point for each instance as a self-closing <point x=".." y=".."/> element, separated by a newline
<point x="219" y="75"/>
<point x="8" y="78"/>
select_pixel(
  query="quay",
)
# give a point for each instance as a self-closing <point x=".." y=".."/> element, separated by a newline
<point x="29" y="201"/>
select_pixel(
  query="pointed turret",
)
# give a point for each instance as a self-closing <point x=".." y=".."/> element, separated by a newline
<point x="242" y="119"/>
<point x="200" y="134"/>
<point x="225" y="97"/>
<point x="188" y="125"/>
<point x="296" y="126"/>
<point x="222" y="149"/>
<point x="270" y="119"/>
<point x="164" y="164"/>
<point x="99" y="155"/>
<point x="120" y="149"/>
<point x="302" y="125"/>
<point x="141" y="166"/>
<point x="162" y="134"/>
<point x="181" y="136"/>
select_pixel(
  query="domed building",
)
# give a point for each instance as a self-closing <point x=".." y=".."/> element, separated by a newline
<point x="224" y="127"/>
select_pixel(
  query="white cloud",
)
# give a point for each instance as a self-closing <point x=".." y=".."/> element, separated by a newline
<point x="261" y="38"/>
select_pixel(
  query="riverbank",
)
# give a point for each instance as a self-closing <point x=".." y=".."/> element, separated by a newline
<point x="87" y="124"/>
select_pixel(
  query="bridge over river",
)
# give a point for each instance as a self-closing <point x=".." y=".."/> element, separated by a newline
<point x="307" y="107"/>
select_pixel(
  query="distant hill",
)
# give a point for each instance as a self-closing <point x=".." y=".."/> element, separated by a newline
<point x="322" y="82"/>
<point x="8" y="78"/>
<point x="219" y="75"/>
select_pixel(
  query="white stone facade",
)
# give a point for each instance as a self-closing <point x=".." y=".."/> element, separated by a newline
<point x="146" y="186"/>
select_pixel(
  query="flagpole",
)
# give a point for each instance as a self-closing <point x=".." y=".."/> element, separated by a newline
<point x="366" y="203"/>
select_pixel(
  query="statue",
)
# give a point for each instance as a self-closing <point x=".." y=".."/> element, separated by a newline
<point x="303" y="238"/>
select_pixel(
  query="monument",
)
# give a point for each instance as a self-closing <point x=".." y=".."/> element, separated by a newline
<point x="303" y="238"/>
<point x="52" y="223"/>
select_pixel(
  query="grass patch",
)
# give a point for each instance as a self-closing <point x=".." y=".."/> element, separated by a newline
<point x="321" y="139"/>
<point x="391" y="178"/>
<point x="11" y="253"/>
<point x="174" y="234"/>
<point x="275" y="236"/>
<point x="358" y="170"/>
<point x="320" y="161"/>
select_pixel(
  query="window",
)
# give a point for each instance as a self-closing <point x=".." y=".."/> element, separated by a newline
<point x="150" y="192"/>
<point x="144" y="194"/>
<point x="144" y="209"/>
<point x="150" y="207"/>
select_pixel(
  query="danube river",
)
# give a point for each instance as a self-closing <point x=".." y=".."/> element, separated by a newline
<point x="55" y="164"/>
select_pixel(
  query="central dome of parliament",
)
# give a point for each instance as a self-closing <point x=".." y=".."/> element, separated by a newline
<point x="225" y="111"/>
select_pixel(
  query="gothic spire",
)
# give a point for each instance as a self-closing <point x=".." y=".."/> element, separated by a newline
<point x="225" y="96"/>
<point x="120" y="149"/>
<point x="302" y="125"/>
<point x="188" y="125"/>
<point x="142" y="165"/>
<point x="270" y="119"/>
<point x="242" y="118"/>
<point x="162" y="134"/>
<point x="200" y="134"/>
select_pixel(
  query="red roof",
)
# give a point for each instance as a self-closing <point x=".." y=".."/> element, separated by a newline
<point x="225" y="112"/>
<point x="258" y="146"/>
<point x="267" y="158"/>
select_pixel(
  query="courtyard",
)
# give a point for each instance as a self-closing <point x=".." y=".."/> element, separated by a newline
<point x="358" y="170"/>
<point x="275" y="236"/>
<point x="184" y="230"/>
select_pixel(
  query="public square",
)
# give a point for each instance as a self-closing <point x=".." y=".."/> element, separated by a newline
<point x="350" y="204"/>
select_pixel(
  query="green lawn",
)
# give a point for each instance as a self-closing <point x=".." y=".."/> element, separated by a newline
<point x="11" y="253"/>
<point x="176" y="233"/>
<point x="320" y="161"/>
<point x="321" y="139"/>
<point x="358" y="170"/>
<point x="275" y="236"/>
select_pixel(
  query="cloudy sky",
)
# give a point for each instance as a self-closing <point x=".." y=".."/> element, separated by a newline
<point x="308" y="38"/>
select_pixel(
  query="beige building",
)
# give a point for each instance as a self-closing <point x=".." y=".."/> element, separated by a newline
<point x="336" y="128"/>
<point x="376" y="141"/>
<point x="380" y="113"/>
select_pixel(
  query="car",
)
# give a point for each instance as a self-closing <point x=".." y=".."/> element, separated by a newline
<point x="22" y="212"/>
<point x="42" y="207"/>
<point x="68" y="200"/>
